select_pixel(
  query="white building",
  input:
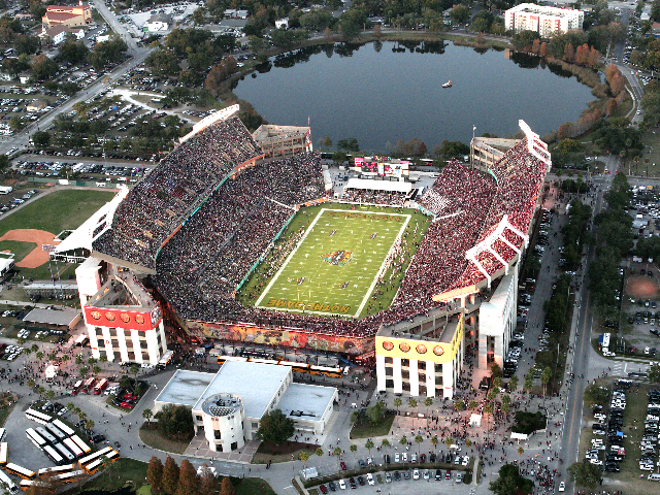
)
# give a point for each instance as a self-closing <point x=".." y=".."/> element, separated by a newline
<point x="227" y="406"/>
<point x="547" y="21"/>
<point x="123" y="320"/>
<point x="497" y="321"/>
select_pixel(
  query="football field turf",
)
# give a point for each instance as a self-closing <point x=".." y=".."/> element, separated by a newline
<point x="336" y="265"/>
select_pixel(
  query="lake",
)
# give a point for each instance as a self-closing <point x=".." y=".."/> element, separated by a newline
<point x="380" y="93"/>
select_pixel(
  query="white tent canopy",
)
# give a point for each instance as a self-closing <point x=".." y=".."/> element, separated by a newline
<point x="379" y="185"/>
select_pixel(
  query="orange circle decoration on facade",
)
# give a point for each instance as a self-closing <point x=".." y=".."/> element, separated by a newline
<point x="388" y="346"/>
<point x="421" y="349"/>
<point x="139" y="319"/>
<point x="403" y="347"/>
<point x="438" y="350"/>
<point x="125" y="317"/>
<point x="110" y="316"/>
<point x="96" y="315"/>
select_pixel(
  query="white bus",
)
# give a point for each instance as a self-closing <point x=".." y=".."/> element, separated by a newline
<point x="92" y="457"/>
<point x="71" y="445"/>
<point x="83" y="446"/>
<point x="35" y="438"/>
<point x="46" y="436"/>
<point x="37" y="416"/>
<point x="165" y="359"/>
<point x="65" y="452"/>
<point x="55" y="431"/>
<point x="67" y="431"/>
<point x="4" y="450"/>
<point x="53" y="455"/>
<point x="6" y="480"/>
<point x="17" y="470"/>
<point x="45" y="473"/>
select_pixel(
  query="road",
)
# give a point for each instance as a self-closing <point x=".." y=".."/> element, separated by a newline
<point x="22" y="139"/>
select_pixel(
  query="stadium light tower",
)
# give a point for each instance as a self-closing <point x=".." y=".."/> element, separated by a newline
<point x="474" y="128"/>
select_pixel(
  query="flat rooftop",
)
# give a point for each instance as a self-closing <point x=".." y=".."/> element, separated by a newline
<point x="185" y="387"/>
<point x="62" y="318"/>
<point x="256" y="384"/>
<point x="302" y="401"/>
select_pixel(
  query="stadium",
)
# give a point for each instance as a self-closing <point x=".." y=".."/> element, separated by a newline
<point x="250" y="250"/>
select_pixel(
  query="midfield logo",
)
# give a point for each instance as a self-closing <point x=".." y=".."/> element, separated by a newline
<point x="339" y="258"/>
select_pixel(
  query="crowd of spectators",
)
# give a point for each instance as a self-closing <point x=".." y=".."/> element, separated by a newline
<point x="161" y="201"/>
<point x="367" y="196"/>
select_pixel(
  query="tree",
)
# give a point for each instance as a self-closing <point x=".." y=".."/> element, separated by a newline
<point x="510" y="482"/>
<point x="226" y="487"/>
<point x="428" y="402"/>
<point x="369" y="445"/>
<point x="460" y="14"/>
<point x="353" y="448"/>
<point x="513" y="383"/>
<point x="170" y="478"/>
<point x="208" y="483"/>
<point x="418" y="440"/>
<point x="27" y="45"/>
<point x="397" y="403"/>
<point x="348" y="144"/>
<point x="473" y="405"/>
<point x="434" y="441"/>
<point x="594" y="394"/>
<point x="155" y="475"/>
<point x="412" y="403"/>
<point x="72" y="51"/>
<point x="96" y="369"/>
<point x="319" y="452"/>
<point x="304" y="456"/>
<point x="654" y="373"/>
<point x="134" y="370"/>
<point x="585" y="475"/>
<point x="459" y="405"/>
<point x="355" y="417"/>
<point x="520" y="451"/>
<point x="43" y="67"/>
<point x="337" y="452"/>
<point x="79" y="359"/>
<point x="175" y="422"/>
<point x="546" y="376"/>
<point x="326" y="142"/>
<point x="83" y="371"/>
<point x="147" y="414"/>
<point x="275" y="427"/>
<point x="188" y="483"/>
<point x="385" y="443"/>
<point x="376" y="412"/>
<point x="449" y="441"/>
<point x="403" y="441"/>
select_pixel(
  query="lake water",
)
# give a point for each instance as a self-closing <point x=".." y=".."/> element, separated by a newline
<point x="381" y="94"/>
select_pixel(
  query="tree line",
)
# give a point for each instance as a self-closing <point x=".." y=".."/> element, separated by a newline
<point x="172" y="479"/>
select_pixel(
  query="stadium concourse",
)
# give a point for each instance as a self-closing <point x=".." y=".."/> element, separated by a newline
<point x="207" y="215"/>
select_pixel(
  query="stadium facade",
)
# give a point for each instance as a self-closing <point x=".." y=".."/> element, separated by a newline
<point x="203" y="220"/>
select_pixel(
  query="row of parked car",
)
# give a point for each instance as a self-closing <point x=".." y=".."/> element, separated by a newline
<point x="10" y="352"/>
<point x="612" y="427"/>
<point x="368" y="479"/>
<point x="649" y="442"/>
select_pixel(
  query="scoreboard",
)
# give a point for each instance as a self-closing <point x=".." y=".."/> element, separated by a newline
<point x="383" y="166"/>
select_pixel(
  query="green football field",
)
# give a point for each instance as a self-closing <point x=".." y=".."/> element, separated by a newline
<point x="336" y="265"/>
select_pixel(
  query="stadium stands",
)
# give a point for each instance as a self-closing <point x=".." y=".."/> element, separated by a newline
<point x="159" y="203"/>
<point x="229" y="224"/>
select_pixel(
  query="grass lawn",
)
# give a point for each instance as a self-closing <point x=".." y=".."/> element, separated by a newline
<point x="331" y="261"/>
<point x="252" y="486"/>
<point x="20" y="249"/>
<point x="283" y="452"/>
<point x="154" y="439"/>
<point x="366" y="430"/>
<point x="120" y="473"/>
<point x="649" y="165"/>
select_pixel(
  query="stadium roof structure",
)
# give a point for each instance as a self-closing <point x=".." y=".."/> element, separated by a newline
<point x="83" y="237"/>
<point x="61" y="318"/>
<point x="378" y="185"/>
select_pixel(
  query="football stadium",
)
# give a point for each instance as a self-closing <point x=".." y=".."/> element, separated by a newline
<point x="246" y="249"/>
